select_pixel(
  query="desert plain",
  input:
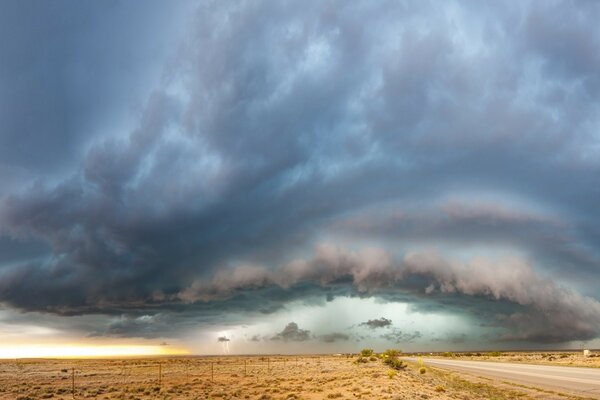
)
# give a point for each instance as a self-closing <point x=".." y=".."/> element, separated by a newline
<point x="265" y="377"/>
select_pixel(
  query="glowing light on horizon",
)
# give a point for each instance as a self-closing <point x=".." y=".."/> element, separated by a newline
<point x="86" y="351"/>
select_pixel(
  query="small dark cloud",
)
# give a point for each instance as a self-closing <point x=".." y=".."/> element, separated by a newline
<point x="377" y="323"/>
<point x="223" y="339"/>
<point x="334" y="337"/>
<point x="292" y="333"/>
<point x="397" y="336"/>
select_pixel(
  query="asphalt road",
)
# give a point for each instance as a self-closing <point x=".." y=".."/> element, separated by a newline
<point x="575" y="380"/>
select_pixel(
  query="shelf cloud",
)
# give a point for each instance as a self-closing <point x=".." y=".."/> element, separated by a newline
<point x="226" y="161"/>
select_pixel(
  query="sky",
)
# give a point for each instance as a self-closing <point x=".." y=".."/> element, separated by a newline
<point x="236" y="177"/>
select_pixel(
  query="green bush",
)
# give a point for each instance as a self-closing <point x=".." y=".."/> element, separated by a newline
<point x="495" y="354"/>
<point x="392" y="353"/>
<point x="361" y="360"/>
<point x="395" y="363"/>
<point x="366" y="352"/>
<point x="422" y="370"/>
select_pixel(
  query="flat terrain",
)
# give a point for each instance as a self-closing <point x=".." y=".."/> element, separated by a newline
<point x="275" y="377"/>
<point x="580" y="381"/>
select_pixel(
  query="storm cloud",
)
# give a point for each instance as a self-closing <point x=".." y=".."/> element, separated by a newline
<point x="293" y="333"/>
<point x="377" y="323"/>
<point x="445" y="155"/>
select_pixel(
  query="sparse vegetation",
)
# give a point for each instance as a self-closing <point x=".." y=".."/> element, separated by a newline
<point x="366" y="353"/>
<point x="395" y="363"/>
<point x="422" y="370"/>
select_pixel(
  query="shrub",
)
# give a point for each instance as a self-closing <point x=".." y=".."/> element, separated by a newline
<point x="391" y="373"/>
<point x="372" y="358"/>
<point x="439" y="388"/>
<point x="361" y="360"/>
<point x="422" y="370"/>
<point x="392" y="353"/>
<point x="448" y="354"/>
<point x="366" y="352"/>
<point x="495" y="354"/>
<point x="395" y="363"/>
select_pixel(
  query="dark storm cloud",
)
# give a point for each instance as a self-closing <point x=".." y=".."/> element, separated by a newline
<point x="223" y="339"/>
<point x="552" y="240"/>
<point x="280" y="123"/>
<point x="334" y="337"/>
<point x="292" y="333"/>
<point x="377" y="323"/>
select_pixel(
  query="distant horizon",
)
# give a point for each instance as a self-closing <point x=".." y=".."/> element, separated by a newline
<point x="340" y="354"/>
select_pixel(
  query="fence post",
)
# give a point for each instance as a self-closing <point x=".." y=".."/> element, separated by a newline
<point x="73" y="382"/>
<point x="212" y="372"/>
<point x="245" y="369"/>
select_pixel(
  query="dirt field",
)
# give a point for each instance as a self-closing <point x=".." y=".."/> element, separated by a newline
<point x="316" y="377"/>
<point x="566" y="358"/>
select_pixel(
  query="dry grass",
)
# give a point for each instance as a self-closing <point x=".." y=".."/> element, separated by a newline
<point x="316" y="377"/>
